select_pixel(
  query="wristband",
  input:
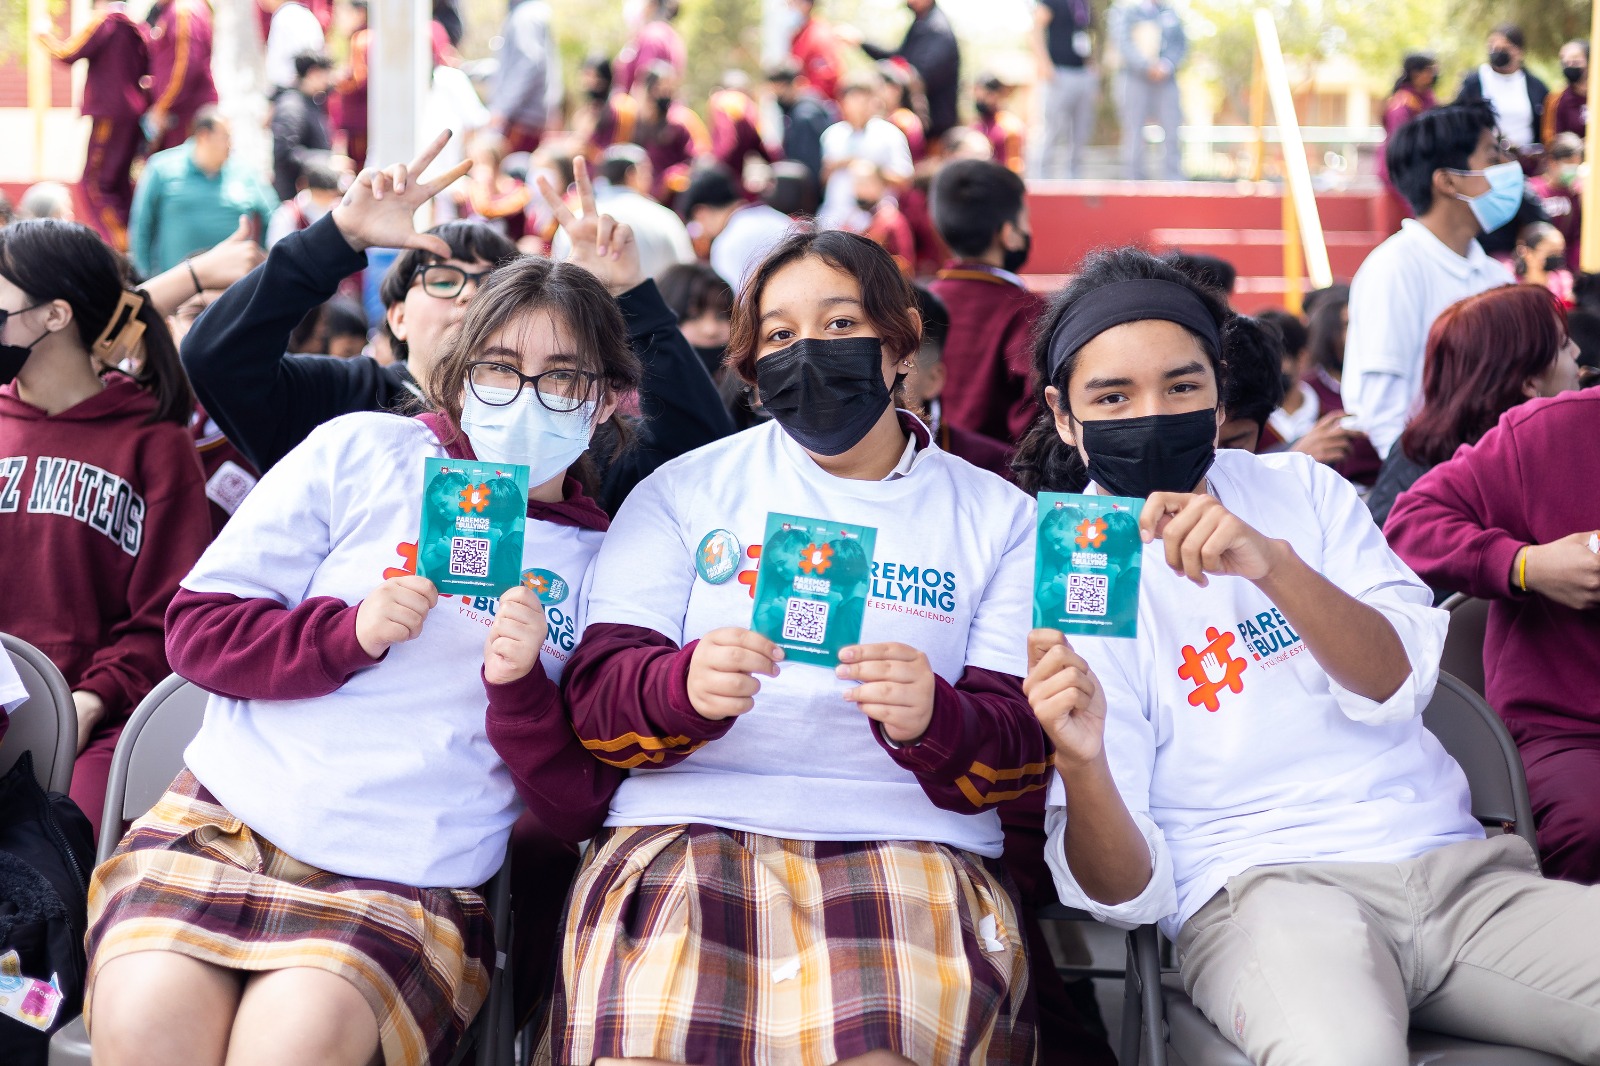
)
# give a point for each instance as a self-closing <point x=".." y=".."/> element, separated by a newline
<point x="198" y="288"/>
<point x="1522" y="568"/>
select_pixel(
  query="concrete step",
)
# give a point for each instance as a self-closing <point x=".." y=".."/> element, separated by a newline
<point x="1260" y="251"/>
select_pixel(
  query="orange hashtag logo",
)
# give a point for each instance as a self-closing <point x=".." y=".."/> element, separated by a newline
<point x="1091" y="532"/>
<point x="475" y="498"/>
<point x="815" y="560"/>
<point x="1199" y="667"/>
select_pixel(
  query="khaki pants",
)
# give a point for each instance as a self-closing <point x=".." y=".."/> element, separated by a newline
<point x="1330" y="963"/>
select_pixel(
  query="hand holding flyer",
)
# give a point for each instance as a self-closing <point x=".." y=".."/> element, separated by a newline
<point x="473" y="518"/>
<point x="811" y="591"/>
<point x="1086" y="578"/>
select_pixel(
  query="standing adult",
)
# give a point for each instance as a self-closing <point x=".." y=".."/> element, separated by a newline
<point x="299" y="124"/>
<point x="180" y="70"/>
<point x="1413" y="94"/>
<point x="1151" y="43"/>
<point x="815" y="47"/>
<point x="805" y="117"/>
<point x="1517" y="96"/>
<point x="1064" y="55"/>
<point x="1566" y="110"/>
<point x="113" y="101"/>
<point x="294" y="30"/>
<point x="653" y="41"/>
<point x="930" y="47"/>
<point x="519" y="97"/>
<point x="348" y="105"/>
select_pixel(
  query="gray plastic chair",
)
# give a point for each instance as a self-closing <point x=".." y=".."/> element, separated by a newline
<point x="47" y="724"/>
<point x="1476" y="738"/>
<point x="1463" y="644"/>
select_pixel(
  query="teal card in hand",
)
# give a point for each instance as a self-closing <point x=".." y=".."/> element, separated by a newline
<point x="1086" y="579"/>
<point x="473" y="519"/>
<point x="812" y="588"/>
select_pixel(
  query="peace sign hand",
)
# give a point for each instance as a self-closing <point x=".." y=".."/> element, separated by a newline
<point x="600" y="244"/>
<point x="380" y="209"/>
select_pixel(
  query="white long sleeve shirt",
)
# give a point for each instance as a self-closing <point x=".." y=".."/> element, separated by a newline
<point x="1232" y="747"/>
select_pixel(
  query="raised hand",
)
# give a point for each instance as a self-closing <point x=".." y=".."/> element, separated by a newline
<point x="225" y="263"/>
<point x="1066" y="698"/>
<point x="896" y="689"/>
<point x="394" y="613"/>
<point x="600" y="244"/>
<point x="1203" y="537"/>
<point x="516" y="638"/>
<point x="379" y="210"/>
<point x="722" y="671"/>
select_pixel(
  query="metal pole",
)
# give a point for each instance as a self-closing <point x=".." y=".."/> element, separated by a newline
<point x="1591" y="180"/>
<point x="1294" y="266"/>
<point x="1258" y="119"/>
<point x="401" y="66"/>
<point x="1297" y="173"/>
<point x="38" y="82"/>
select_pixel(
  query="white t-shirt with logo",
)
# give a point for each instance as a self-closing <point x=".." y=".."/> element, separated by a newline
<point x="1231" y="746"/>
<point x="391" y="776"/>
<point x="953" y="573"/>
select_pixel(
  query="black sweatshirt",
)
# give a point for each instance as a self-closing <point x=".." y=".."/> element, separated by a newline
<point x="930" y="46"/>
<point x="267" y="402"/>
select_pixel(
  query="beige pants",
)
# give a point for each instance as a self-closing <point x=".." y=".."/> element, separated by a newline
<point x="1328" y="964"/>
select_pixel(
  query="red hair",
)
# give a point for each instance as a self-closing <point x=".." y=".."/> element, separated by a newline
<point x="1481" y="352"/>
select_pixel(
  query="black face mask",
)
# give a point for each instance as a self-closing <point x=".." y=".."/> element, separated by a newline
<point x="1156" y="453"/>
<point x="663" y="105"/>
<point x="985" y="109"/>
<point x="600" y="95"/>
<point x="1013" y="259"/>
<point x="1288" y="384"/>
<point x="1574" y="75"/>
<point x="712" y="357"/>
<point x="826" y="394"/>
<point x="13" y="356"/>
<point x="1500" y="58"/>
<point x="1555" y="262"/>
<point x="869" y="206"/>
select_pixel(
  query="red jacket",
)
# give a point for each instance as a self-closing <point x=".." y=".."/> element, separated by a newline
<point x="891" y="231"/>
<point x="820" y="56"/>
<point x="180" y="59"/>
<point x="989" y="352"/>
<point x="101" y="514"/>
<point x="1530" y="480"/>
<point x="118" y="59"/>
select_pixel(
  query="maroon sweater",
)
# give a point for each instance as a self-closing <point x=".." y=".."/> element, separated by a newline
<point x="989" y="351"/>
<point x="258" y="649"/>
<point x="101" y="514"/>
<point x="118" y="61"/>
<point x="1530" y="480"/>
<point x="180" y="59"/>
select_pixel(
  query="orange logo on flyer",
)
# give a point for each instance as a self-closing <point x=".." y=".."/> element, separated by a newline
<point x="814" y="560"/>
<point x="1091" y="532"/>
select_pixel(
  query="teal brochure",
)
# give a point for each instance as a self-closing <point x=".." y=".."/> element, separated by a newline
<point x="474" y="516"/>
<point x="1086" y="579"/>
<point x="812" y="587"/>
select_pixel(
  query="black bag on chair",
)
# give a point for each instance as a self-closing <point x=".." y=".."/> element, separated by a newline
<point x="46" y="853"/>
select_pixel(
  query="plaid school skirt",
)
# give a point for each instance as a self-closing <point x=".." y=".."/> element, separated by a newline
<point x="190" y="877"/>
<point x="696" y="944"/>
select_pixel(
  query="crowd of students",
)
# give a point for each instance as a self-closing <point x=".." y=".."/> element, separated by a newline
<point x="718" y="853"/>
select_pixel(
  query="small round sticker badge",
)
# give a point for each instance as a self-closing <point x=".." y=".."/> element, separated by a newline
<point x="717" y="558"/>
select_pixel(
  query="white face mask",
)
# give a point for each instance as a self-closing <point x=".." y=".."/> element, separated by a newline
<point x="525" y="431"/>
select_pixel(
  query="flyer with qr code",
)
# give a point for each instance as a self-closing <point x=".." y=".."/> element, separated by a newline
<point x="473" y="519"/>
<point x="812" y="587"/>
<point x="1086" y="579"/>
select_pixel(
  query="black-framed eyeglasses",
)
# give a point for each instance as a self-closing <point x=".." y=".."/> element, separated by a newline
<point x="562" y="391"/>
<point x="444" y="281"/>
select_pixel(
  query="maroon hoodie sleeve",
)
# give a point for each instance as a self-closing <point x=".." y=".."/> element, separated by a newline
<point x="1461" y="525"/>
<point x="258" y="649"/>
<point x="562" y="784"/>
<point x="176" y="530"/>
<point x="983" y="745"/>
<point x="627" y="691"/>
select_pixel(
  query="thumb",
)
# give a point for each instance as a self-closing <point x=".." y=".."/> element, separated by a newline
<point x="242" y="233"/>
<point x="1040" y="641"/>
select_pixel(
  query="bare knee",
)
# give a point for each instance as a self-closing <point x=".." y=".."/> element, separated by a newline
<point x="877" y="1058"/>
<point x="160" y="1007"/>
<point x="332" y="1021"/>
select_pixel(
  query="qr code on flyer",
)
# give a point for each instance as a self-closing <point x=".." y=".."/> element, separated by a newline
<point x="469" y="557"/>
<point x="1086" y="594"/>
<point x="805" y="621"/>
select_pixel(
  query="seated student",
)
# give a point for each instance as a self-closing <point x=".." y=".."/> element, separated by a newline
<point x="880" y="219"/>
<point x="1512" y="518"/>
<point x="926" y="381"/>
<point x="1486" y="355"/>
<point x="979" y="212"/>
<point x="1300" y="423"/>
<point x="1540" y="259"/>
<point x="703" y="302"/>
<point x="102" y="501"/>
<point x="844" y="804"/>
<point x="1211" y="271"/>
<point x="1252" y="770"/>
<point x="1252" y="382"/>
<point x="307" y="882"/>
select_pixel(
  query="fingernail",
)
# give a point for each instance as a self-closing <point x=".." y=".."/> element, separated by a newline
<point x="1144" y="535"/>
<point x="777" y="654"/>
<point x="841" y="671"/>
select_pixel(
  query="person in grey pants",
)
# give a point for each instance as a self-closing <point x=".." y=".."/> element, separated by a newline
<point x="1149" y="37"/>
<point x="1069" y="83"/>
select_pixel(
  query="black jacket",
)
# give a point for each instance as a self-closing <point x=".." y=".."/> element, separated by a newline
<point x="266" y="402"/>
<point x="803" y="123"/>
<point x="1472" y="89"/>
<point x="930" y="46"/>
<point x="299" y="133"/>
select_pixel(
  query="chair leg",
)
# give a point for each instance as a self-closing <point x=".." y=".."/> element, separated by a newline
<point x="1147" y="955"/>
<point x="1132" y="1011"/>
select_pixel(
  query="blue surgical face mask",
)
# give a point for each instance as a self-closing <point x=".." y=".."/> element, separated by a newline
<point x="525" y="431"/>
<point x="1498" y="205"/>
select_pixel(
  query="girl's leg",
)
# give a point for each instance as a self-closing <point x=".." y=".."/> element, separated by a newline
<point x="153" y="1008"/>
<point x="302" y="1015"/>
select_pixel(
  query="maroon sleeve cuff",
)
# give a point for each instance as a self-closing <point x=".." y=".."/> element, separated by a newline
<point x="938" y="751"/>
<point x="528" y="699"/>
<point x="681" y="717"/>
<point x="112" y="694"/>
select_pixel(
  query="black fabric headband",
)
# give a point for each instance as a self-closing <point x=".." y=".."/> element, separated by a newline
<point x="1131" y="301"/>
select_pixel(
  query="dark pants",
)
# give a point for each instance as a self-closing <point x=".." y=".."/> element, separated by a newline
<point x="91" y="771"/>
<point x="542" y="868"/>
<point x="107" y="186"/>
<point x="1563" y="767"/>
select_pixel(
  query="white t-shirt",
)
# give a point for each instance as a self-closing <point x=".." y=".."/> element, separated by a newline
<point x="662" y="237"/>
<point x="1400" y="289"/>
<point x="1232" y="747"/>
<point x="880" y="141"/>
<point x="750" y="234"/>
<point x="12" y="692"/>
<point x="1512" y="108"/>
<point x="451" y="103"/>
<point x="293" y="30"/>
<point x="953" y="573"/>
<point x="391" y="776"/>
<point x="1292" y="426"/>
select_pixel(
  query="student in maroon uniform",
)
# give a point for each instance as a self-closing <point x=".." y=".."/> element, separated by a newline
<point x="102" y="500"/>
<point x="926" y="382"/>
<point x="112" y="98"/>
<point x="979" y="213"/>
<point x="180" y="69"/>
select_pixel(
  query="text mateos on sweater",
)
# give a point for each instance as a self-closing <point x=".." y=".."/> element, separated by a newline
<point x="75" y="489"/>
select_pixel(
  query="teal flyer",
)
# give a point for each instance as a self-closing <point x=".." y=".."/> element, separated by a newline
<point x="1086" y="578"/>
<point x="812" y="587"/>
<point x="474" y="516"/>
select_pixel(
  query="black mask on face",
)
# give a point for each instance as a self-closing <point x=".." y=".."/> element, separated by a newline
<point x="1500" y="58"/>
<point x="985" y="108"/>
<point x="1013" y="259"/>
<point x="600" y="94"/>
<point x="869" y="206"/>
<point x="1156" y="453"/>
<point x="1288" y="383"/>
<point x="663" y="105"/>
<point x="712" y="357"/>
<point x="1556" y="261"/>
<point x="1574" y="75"/>
<point x="826" y="394"/>
<point x="12" y="356"/>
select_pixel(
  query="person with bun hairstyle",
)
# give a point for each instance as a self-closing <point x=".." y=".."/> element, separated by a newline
<point x="803" y="863"/>
<point x="102" y="498"/>
<point x="1251" y="770"/>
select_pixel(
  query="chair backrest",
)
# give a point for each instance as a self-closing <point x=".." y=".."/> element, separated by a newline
<point x="1476" y="738"/>
<point x="149" y="755"/>
<point x="1463" y="644"/>
<point x="47" y="724"/>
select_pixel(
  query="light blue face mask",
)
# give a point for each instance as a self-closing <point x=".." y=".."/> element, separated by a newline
<point x="1498" y="205"/>
<point x="525" y="431"/>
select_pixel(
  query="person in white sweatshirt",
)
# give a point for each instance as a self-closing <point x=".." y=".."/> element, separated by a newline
<point x="1251" y="770"/>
